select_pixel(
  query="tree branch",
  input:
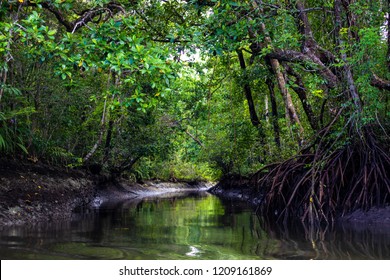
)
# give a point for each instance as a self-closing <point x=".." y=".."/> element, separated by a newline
<point x="380" y="83"/>
<point x="86" y="16"/>
<point x="308" y="59"/>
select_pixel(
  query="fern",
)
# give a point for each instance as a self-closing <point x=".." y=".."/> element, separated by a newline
<point x="3" y="144"/>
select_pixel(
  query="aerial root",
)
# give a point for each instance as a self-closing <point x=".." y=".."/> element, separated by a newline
<point x="318" y="187"/>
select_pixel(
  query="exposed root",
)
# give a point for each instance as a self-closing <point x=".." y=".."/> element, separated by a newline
<point x="316" y="187"/>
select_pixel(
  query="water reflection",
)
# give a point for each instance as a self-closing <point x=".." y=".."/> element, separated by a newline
<point x="340" y="241"/>
<point x="193" y="226"/>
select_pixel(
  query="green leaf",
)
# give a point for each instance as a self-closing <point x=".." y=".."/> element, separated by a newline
<point x="52" y="32"/>
<point x="22" y="147"/>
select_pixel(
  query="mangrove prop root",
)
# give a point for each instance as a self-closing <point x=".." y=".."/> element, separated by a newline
<point x="318" y="187"/>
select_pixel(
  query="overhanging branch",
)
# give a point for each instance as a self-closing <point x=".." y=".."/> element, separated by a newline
<point x="307" y="59"/>
<point x="86" y="16"/>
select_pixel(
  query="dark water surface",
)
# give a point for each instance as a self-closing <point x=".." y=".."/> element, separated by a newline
<point x="194" y="226"/>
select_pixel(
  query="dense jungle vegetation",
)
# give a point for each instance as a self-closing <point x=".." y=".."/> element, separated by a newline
<point x="294" y="92"/>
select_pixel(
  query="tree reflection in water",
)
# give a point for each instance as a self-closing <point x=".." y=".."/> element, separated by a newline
<point x="340" y="241"/>
<point x="193" y="226"/>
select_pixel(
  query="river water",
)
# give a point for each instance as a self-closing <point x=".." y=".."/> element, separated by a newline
<point x="191" y="226"/>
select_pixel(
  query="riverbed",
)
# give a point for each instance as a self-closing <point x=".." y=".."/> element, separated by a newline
<point x="186" y="225"/>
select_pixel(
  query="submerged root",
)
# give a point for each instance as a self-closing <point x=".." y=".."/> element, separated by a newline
<point x="317" y="187"/>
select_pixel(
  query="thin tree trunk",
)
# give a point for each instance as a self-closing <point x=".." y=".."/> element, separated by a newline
<point x="309" y="47"/>
<point x="266" y="108"/>
<point x="388" y="35"/>
<point x="289" y="105"/>
<point x="352" y="19"/>
<point x="300" y="89"/>
<point x="100" y="137"/>
<point x="276" y="68"/>
<point x="248" y="92"/>
<point x="346" y="68"/>
<point x="103" y="121"/>
<point x="107" y="146"/>
<point x="251" y="105"/>
<point x="3" y="77"/>
<point x="7" y="56"/>
<point x="274" y="110"/>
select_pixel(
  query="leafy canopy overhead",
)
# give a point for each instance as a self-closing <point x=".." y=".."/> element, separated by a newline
<point x="233" y="84"/>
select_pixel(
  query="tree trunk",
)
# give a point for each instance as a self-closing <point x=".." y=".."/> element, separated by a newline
<point x="300" y="89"/>
<point x="388" y="35"/>
<point x="276" y="68"/>
<point x="107" y="146"/>
<point x="248" y="92"/>
<point x="274" y="109"/>
<point x="251" y="105"/>
<point x="310" y="48"/>
<point x="352" y="19"/>
<point x="3" y="80"/>
<point x="346" y="68"/>
<point x="100" y="137"/>
<point x="289" y="105"/>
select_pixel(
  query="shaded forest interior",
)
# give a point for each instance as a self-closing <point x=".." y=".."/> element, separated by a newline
<point x="292" y="94"/>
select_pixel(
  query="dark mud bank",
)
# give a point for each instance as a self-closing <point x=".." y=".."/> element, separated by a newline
<point x="34" y="192"/>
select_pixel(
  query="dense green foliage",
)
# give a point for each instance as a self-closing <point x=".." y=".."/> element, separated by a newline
<point x="189" y="89"/>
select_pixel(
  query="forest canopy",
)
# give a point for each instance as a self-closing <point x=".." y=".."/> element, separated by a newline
<point x="295" y="92"/>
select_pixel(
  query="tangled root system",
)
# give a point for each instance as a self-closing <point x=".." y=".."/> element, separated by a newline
<point x="317" y="187"/>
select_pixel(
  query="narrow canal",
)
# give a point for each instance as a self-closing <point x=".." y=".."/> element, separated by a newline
<point x="192" y="226"/>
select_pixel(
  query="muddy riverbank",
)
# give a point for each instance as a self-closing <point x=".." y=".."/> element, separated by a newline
<point x="31" y="193"/>
<point x="35" y="192"/>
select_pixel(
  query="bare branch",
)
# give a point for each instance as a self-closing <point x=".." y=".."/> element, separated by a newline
<point x="84" y="17"/>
